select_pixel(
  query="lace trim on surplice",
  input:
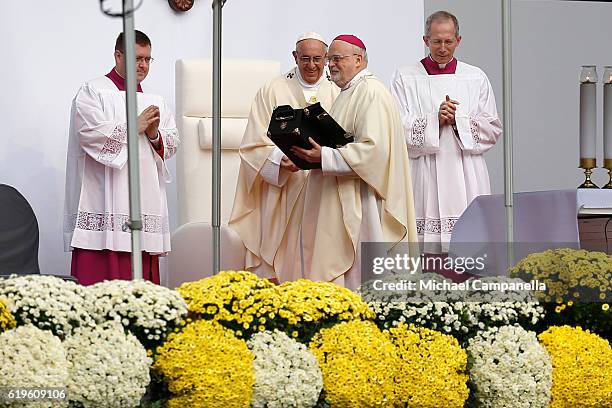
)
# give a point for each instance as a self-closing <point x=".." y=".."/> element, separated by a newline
<point x="171" y="143"/>
<point x="475" y="130"/>
<point x="99" y="222"/>
<point x="417" y="138"/>
<point x="436" y="226"/>
<point x="114" y="144"/>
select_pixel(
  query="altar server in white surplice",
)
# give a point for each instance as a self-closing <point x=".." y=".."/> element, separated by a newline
<point x="450" y="119"/>
<point x="269" y="185"/>
<point x="97" y="196"/>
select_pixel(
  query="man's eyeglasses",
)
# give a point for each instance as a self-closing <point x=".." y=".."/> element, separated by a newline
<point x="146" y="60"/>
<point x="337" y="58"/>
<point x="307" y="60"/>
<point x="140" y="60"/>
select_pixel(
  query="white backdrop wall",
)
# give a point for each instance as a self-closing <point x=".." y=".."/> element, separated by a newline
<point x="50" y="47"/>
<point x="551" y="40"/>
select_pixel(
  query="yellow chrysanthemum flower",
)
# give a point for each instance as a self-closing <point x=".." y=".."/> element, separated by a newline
<point x="7" y="321"/>
<point x="568" y="273"/>
<point x="236" y="299"/>
<point x="582" y="367"/>
<point x="205" y="365"/>
<point x="432" y="372"/>
<point x="359" y="365"/>
<point x="307" y="306"/>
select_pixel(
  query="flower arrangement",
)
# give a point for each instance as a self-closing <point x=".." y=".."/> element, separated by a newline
<point x="287" y="374"/>
<point x="7" y="321"/>
<point x="459" y="313"/>
<point x="48" y="302"/>
<point x="579" y="287"/>
<point x="238" y="300"/>
<point x="108" y="368"/>
<point x="148" y="311"/>
<point x="359" y="364"/>
<point x="30" y="357"/>
<point x="218" y="374"/>
<point x="509" y="368"/>
<point x="569" y="274"/>
<point x="375" y="297"/>
<point x="432" y="371"/>
<point x="594" y="316"/>
<point x="582" y="367"/>
<point x="307" y="306"/>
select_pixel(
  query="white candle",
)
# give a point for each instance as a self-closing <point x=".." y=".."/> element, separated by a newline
<point x="588" y="114"/>
<point x="607" y="120"/>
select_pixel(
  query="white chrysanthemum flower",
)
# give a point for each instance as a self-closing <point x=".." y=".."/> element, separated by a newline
<point x="47" y="302"/>
<point x="148" y="311"/>
<point x="287" y="374"/>
<point x="460" y="313"/>
<point x="510" y="369"/>
<point x="108" y="368"/>
<point x="32" y="358"/>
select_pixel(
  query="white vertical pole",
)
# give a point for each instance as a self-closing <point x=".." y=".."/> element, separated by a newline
<point x="507" y="136"/>
<point x="216" y="140"/>
<point x="135" y="223"/>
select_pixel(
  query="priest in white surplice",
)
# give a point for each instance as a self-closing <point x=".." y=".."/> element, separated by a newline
<point x="363" y="191"/>
<point x="97" y="198"/>
<point x="450" y="119"/>
<point x="269" y="184"/>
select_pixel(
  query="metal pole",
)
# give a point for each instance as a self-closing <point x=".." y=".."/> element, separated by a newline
<point x="216" y="140"/>
<point x="135" y="222"/>
<point x="508" y="166"/>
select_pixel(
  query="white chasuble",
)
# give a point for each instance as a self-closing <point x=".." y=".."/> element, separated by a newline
<point x="97" y="197"/>
<point x="266" y="212"/>
<point x="447" y="167"/>
<point x="363" y="191"/>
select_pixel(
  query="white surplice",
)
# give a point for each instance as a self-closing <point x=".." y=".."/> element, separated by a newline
<point x="447" y="167"/>
<point x="97" y="198"/>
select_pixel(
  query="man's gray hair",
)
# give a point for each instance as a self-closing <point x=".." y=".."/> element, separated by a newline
<point x="441" y="16"/>
<point x="360" y="51"/>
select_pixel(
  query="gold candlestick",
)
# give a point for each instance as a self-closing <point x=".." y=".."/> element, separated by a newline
<point x="588" y="165"/>
<point x="608" y="165"/>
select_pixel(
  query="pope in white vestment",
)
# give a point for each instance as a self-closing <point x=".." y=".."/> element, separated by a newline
<point x="268" y="184"/>
<point x="450" y="119"/>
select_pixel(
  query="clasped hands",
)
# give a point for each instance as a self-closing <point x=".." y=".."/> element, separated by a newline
<point x="446" y="115"/>
<point x="148" y="122"/>
<point x="312" y="155"/>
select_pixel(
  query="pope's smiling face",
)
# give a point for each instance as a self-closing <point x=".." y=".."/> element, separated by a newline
<point x="309" y="56"/>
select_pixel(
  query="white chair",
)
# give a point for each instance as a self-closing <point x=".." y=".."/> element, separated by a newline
<point x="191" y="256"/>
